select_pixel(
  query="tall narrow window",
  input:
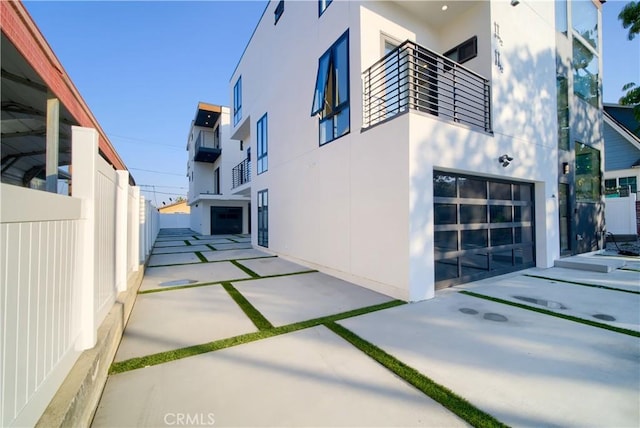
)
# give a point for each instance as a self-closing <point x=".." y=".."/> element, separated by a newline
<point x="237" y="101"/>
<point x="588" y="175"/>
<point x="563" y="111"/>
<point x="586" y="79"/>
<point x="323" y="5"/>
<point x="216" y="181"/>
<point x="263" y="218"/>
<point x="278" y="12"/>
<point x="262" y="143"/>
<point x="331" y="97"/>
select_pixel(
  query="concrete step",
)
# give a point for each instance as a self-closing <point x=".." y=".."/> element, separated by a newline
<point x="591" y="264"/>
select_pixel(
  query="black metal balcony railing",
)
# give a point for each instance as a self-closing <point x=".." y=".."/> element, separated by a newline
<point x="204" y="152"/>
<point x="241" y="173"/>
<point x="413" y="77"/>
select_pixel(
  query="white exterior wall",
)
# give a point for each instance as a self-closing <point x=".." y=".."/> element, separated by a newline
<point x="361" y="206"/>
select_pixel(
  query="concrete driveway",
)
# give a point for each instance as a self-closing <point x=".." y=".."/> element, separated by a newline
<point x="240" y="338"/>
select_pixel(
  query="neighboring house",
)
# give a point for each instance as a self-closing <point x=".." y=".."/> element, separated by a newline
<point x="408" y="146"/>
<point x="219" y="174"/>
<point x="179" y="207"/>
<point x="71" y="257"/>
<point x="622" y="168"/>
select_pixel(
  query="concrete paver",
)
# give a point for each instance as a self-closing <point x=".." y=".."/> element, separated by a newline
<point x="522" y="367"/>
<point x="210" y="241"/>
<point x="615" y="308"/>
<point x="202" y="272"/>
<point x="161" y="244"/>
<point x="307" y="378"/>
<point x="180" y="318"/>
<point x="623" y="279"/>
<point x="232" y="246"/>
<point x="173" y="259"/>
<point x="273" y="266"/>
<point x="288" y="299"/>
<point x="182" y="249"/>
<point x="214" y="256"/>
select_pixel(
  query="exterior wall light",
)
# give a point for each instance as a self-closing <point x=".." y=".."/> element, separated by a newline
<point x="505" y="160"/>
<point x="515" y="2"/>
<point x="565" y="168"/>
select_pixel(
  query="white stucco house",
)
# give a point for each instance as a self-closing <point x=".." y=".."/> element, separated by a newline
<point x="409" y="146"/>
<point x="218" y="169"/>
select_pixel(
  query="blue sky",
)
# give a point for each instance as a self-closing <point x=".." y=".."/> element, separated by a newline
<point x="143" y="66"/>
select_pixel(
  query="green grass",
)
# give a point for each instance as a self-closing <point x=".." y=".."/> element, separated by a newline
<point x="439" y="393"/>
<point x="254" y="315"/>
<point x="163" y="357"/>
<point x="581" y="283"/>
<point x="211" y="247"/>
<point x="245" y="269"/>
<point x="187" y="242"/>
<point x="202" y="258"/>
<point x="555" y="314"/>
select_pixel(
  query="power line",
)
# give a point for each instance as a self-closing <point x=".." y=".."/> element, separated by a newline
<point x="162" y="193"/>
<point x="168" y="187"/>
<point x="158" y="172"/>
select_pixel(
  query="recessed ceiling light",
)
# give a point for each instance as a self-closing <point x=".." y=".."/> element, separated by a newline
<point x="445" y="7"/>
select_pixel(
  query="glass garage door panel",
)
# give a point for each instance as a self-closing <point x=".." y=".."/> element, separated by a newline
<point x="482" y="227"/>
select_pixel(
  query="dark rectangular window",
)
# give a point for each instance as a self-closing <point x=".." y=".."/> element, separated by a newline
<point x="323" y="5"/>
<point x="237" y="101"/>
<point x="216" y="181"/>
<point x="588" y="177"/>
<point x="278" y="12"/>
<point x="331" y="96"/>
<point x="464" y="52"/>
<point x="470" y="214"/>
<point x="262" y="143"/>
<point x="263" y="218"/>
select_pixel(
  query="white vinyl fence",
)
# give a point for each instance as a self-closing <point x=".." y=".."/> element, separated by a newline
<point x="62" y="262"/>
<point x="620" y="215"/>
<point x="175" y="221"/>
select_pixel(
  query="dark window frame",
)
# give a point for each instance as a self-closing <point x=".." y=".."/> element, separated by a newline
<point x="472" y="42"/>
<point x="278" y="12"/>
<point x="262" y="144"/>
<point x="263" y="218"/>
<point x="326" y="78"/>
<point x="237" y="101"/>
<point x="322" y="6"/>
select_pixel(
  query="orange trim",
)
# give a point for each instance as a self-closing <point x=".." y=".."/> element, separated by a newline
<point x="19" y="27"/>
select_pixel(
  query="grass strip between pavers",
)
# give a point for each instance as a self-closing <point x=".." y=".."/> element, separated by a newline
<point x="437" y="392"/>
<point x="630" y="269"/>
<point x="245" y="269"/>
<point x="566" y="281"/>
<point x="254" y="315"/>
<point x="163" y="357"/>
<point x="187" y="242"/>
<point x="554" y="314"/>
<point x="202" y="258"/>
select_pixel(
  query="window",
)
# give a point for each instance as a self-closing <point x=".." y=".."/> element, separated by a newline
<point x="263" y="218"/>
<point x="561" y="16"/>
<point x="562" y="88"/>
<point x="262" y="144"/>
<point x="216" y="181"/>
<point x="584" y="19"/>
<point x="611" y="184"/>
<point x="323" y="5"/>
<point x="588" y="178"/>
<point x="278" y="11"/>
<point x="331" y="97"/>
<point x="464" y="52"/>
<point x="585" y="73"/>
<point x="237" y="101"/>
<point x="628" y="183"/>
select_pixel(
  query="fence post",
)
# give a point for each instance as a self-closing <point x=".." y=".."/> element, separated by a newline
<point x="122" y="194"/>
<point x="135" y="230"/>
<point x="84" y="151"/>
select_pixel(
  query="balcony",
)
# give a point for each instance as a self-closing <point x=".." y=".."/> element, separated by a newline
<point x="207" y="149"/>
<point x="241" y="174"/>
<point x="413" y="77"/>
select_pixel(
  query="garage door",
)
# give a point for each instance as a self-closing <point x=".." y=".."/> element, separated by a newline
<point x="226" y="220"/>
<point x="482" y="227"/>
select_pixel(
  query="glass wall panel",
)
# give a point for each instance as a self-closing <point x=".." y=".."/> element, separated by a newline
<point x="473" y="264"/>
<point x="446" y="269"/>
<point x="502" y="236"/>
<point x="500" y="214"/>
<point x="444" y="185"/>
<point x="473" y="214"/>
<point x="445" y="214"/>
<point x="470" y="188"/>
<point x="500" y="191"/>
<point x="585" y="73"/>
<point x="501" y="260"/>
<point x="584" y="19"/>
<point x="472" y="239"/>
<point x="445" y="241"/>
<point x="588" y="177"/>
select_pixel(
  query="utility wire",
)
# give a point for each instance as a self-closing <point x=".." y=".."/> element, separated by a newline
<point x="162" y="193"/>
<point x="158" y="172"/>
